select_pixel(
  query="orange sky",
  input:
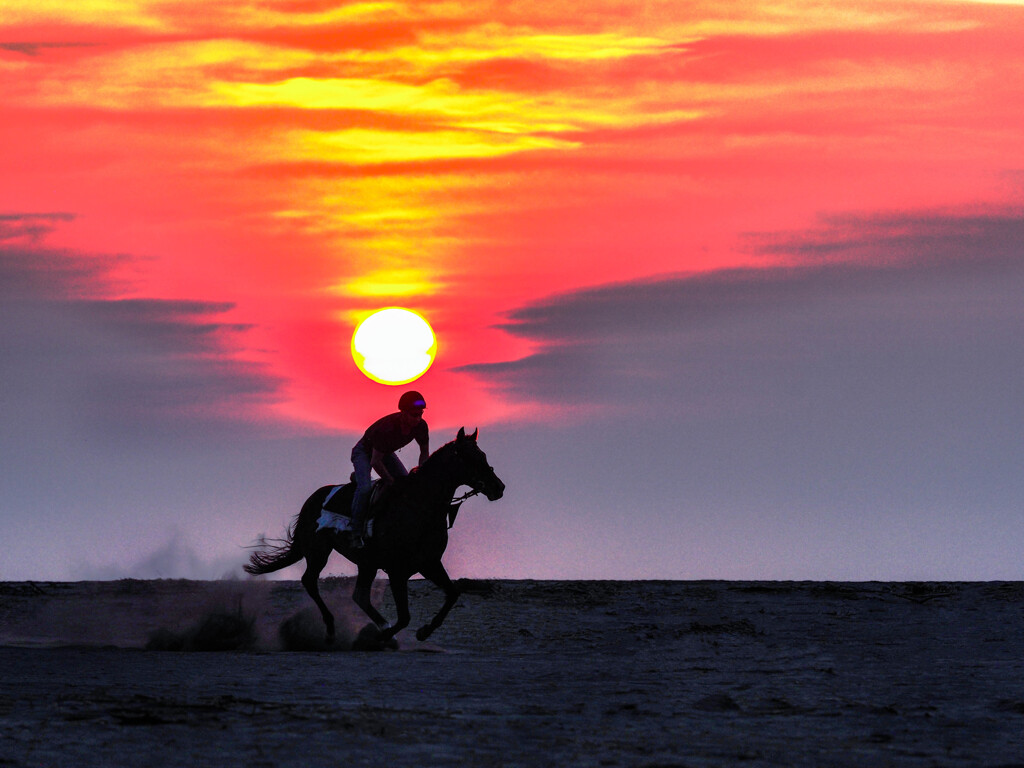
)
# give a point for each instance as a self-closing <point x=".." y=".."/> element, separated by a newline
<point x="305" y="161"/>
<point x="731" y="289"/>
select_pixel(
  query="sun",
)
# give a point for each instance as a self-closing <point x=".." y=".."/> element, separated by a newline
<point x="394" y="345"/>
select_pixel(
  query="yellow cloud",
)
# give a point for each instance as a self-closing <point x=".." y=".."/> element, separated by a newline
<point x="346" y="93"/>
<point x="140" y="14"/>
<point x="451" y="122"/>
<point x="360" y="146"/>
<point x="264" y="16"/>
<point x="390" y="282"/>
<point x="221" y="73"/>
<point x="442" y="101"/>
<point x="181" y="15"/>
<point x="493" y="41"/>
<point x="440" y="98"/>
<point x="161" y="75"/>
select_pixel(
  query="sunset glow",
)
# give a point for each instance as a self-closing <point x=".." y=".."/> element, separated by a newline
<point x="607" y="212"/>
<point x="305" y="161"/>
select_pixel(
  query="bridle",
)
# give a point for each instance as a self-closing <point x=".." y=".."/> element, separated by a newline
<point x="453" y="508"/>
<point x="467" y="495"/>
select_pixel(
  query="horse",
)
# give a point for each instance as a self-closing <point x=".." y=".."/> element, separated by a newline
<point x="410" y="535"/>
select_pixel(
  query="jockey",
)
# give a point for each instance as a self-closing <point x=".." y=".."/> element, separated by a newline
<point x="376" y="450"/>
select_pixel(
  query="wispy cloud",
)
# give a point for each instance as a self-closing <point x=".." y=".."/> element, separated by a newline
<point x="29" y="227"/>
<point x="907" y="315"/>
<point x="72" y="356"/>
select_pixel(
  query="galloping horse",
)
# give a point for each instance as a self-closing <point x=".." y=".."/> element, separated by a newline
<point x="410" y="536"/>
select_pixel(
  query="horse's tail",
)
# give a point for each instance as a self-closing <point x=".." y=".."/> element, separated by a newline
<point x="274" y="554"/>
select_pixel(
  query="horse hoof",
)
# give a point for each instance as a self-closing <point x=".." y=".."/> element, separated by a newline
<point x="371" y="638"/>
<point x="423" y="633"/>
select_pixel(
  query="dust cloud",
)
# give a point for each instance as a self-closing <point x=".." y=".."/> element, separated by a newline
<point x="182" y="615"/>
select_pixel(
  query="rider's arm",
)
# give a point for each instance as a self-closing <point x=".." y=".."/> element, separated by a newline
<point x="424" y="452"/>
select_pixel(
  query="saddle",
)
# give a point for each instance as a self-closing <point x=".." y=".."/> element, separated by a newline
<point x="337" y="507"/>
<point x="339" y="500"/>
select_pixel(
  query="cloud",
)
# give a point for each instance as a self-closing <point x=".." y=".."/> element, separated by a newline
<point x="899" y="302"/>
<point x="37" y="48"/>
<point x="29" y="227"/>
<point x="955" y="243"/>
<point x="76" y="362"/>
<point x="818" y="409"/>
<point x="126" y="422"/>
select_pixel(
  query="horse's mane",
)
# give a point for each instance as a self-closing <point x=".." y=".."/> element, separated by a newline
<point x="434" y="457"/>
<point x="431" y="471"/>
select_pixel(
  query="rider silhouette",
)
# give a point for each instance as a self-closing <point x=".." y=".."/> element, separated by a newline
<point x="376" y="450"/>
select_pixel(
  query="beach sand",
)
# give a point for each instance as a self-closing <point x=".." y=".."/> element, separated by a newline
<point x="523" y="673"/>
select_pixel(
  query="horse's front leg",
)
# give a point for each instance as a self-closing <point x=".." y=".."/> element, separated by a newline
<point x="437" y="574"/>
<point x="400" y="593"/>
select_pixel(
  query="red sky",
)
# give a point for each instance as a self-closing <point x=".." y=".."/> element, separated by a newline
<point x="257" y="176"/>
<point x="306" y="161"/>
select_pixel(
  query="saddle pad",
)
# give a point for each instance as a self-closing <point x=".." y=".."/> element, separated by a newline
<point x="333" y="520"/>
<point x="337" y="509"/>
<point x="339" y="522"/>
<point x="340" y="498"/>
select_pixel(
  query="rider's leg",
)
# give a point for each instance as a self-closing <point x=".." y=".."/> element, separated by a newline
<point x="361" y="497"/>
<point x="394" y="465"/>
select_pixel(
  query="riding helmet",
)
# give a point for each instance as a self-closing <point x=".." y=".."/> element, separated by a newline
<point x="411" y="400"/>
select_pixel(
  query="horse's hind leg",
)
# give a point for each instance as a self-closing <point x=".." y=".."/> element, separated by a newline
<point x="315" y="562"/>
<point x="361" y="595"/>
<point x="437" y="574"/>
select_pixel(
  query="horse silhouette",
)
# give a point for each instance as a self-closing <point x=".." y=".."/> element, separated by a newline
<point x="410" y="535"/>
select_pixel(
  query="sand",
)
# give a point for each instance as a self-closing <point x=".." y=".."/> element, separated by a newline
<point x="522" y="674"/>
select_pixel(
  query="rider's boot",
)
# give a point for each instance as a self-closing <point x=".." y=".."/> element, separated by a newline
<point x="357" y="535"/>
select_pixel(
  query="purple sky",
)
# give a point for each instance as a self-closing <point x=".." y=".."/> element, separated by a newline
<point x="820" y="421"/>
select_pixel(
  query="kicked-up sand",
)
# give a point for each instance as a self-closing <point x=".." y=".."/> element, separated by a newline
<point x="523" y="673"/>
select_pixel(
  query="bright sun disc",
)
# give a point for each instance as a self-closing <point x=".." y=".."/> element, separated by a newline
<point x="394" y="346"/>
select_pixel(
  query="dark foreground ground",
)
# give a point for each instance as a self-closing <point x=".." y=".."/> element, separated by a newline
<point x="522" y="674"/>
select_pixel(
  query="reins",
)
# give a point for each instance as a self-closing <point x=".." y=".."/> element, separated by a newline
<point x="453" y="508"/>
<point x="465" y="496"/>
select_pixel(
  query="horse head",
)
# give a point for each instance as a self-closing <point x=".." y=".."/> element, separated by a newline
<point x="476" y="472"/>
